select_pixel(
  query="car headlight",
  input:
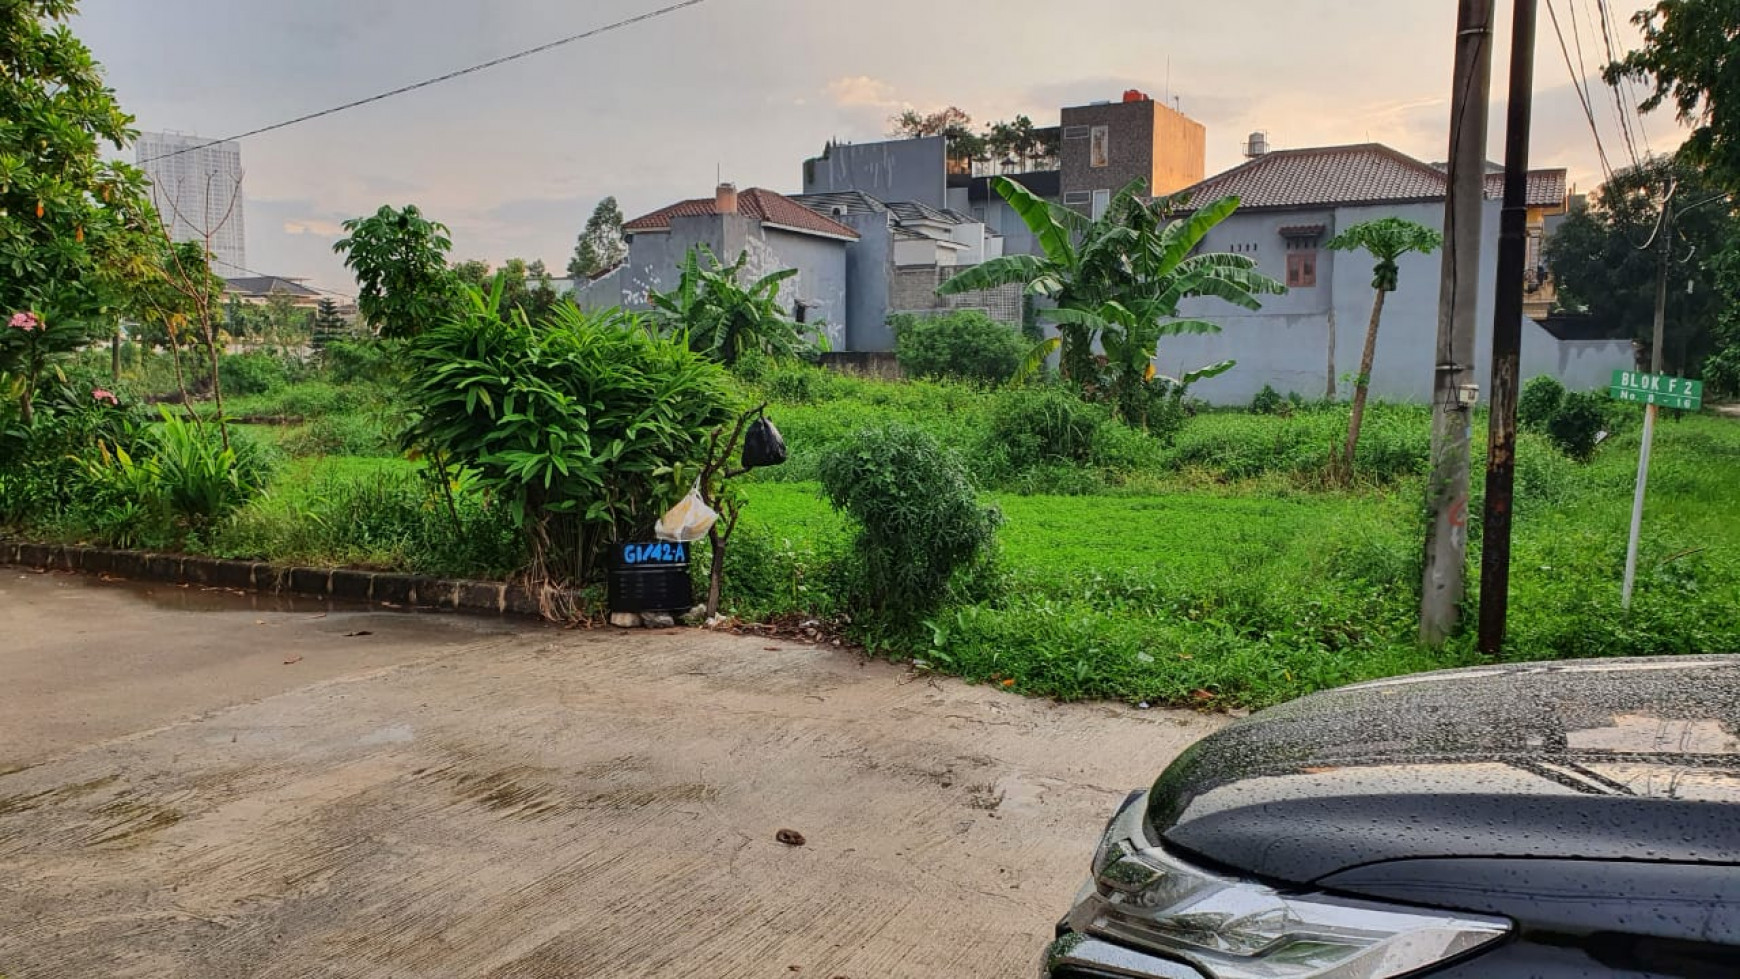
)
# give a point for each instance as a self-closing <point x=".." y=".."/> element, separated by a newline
<point x="1238" y="929"/>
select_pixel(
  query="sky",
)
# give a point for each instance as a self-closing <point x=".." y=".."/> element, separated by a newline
<point x="514" y="159"/>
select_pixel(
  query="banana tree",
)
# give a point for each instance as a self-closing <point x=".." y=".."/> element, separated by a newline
<point x="724" y="316"/>
<point x="1130" y="334"/>
<point x="1132" y="257"/>
<point x="1387" y="239"/>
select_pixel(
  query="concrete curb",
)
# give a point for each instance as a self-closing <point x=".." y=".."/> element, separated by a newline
<point x="344" y="584"/>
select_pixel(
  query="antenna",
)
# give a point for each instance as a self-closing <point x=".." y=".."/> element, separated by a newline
<point x="1168" y="78"/>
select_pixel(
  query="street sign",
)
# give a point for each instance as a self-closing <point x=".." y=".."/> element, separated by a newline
<point x="1657" y="389"/>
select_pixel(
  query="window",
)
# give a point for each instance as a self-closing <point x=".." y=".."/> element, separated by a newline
<point x="1534" y="255"/>
<point x="1076" y="198"/>
<point x="1075" y="132"/>
<point x="1302" y="269"/>
<point x="1100" y="147"/>
<point x="1102" y="202"/>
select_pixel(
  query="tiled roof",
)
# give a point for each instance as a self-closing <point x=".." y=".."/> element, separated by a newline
<point x="908" y="211"/>
<point x="266" y="285"/>
<point x="1359" y="174"/>
<point x="756" y="203"/>
<point x="853" y="201"/>
<point x="1547" y="188"/>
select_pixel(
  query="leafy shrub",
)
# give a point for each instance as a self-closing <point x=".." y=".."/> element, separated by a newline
<point x="965" y="345"/>
<point x="1574" y="427"/>
<point x="1268" y="401"/>
<point x="1539" y="402"/>
<point x="797" y="383"/>
<point x="372" y="360"/>
<point x="252" y="373"/>
<point x="919" y="521"/>
<point x="179" y="481"/>
<point x="1038" y="425"/>
<point x="586" y="428"/>
<point x="350" y="434"/>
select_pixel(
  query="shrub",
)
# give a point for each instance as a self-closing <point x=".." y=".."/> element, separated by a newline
<point x="1035" y="425"/>
<point x="1574" y="427"/>
<point x="252" y="373"/>
<point x="1539" y="402"/>
<point x="797" y="383"/>
<point x="919" y="522"/>
<point x="359" y="360"/>
<point x="965" y="345"/>
<point x="587" y="427"/>
<point x="1268" y="401"/>
<point x="349" y="434"/>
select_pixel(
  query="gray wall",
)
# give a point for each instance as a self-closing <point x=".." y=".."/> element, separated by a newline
<point x="1001" y="218"/>
<point x="898" y="170"/>
<point x="869" y="262"/>
<point x="1287" y="343"/>
<point x="655" y="262"/>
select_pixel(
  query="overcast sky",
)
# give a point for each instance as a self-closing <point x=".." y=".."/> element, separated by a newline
<point x="515" y="158"/>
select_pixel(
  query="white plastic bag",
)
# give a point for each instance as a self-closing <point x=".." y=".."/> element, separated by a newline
<point x="689" y="520"/>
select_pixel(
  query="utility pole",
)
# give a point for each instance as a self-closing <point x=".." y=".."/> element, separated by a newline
<point x="1453" y="372"/>
<point x="1665" y="233"/>
<point x="1507" y="316"/>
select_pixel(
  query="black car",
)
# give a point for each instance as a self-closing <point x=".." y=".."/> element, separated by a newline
<point x="1541" y="820"/>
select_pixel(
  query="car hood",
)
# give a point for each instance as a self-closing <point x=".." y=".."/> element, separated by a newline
<point x="1620" y="759"/>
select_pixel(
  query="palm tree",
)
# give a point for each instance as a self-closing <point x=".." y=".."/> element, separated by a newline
<point x="1120" y="278"/>
<point x="1387" y="239"/>
<point x="724" y="317"/>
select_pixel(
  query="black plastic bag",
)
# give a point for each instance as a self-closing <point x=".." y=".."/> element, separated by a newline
<point x="762" y="444"/>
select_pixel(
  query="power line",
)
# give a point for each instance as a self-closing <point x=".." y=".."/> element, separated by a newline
<point x="1619" y="116"/>
<point x="1582" y="95"/>
<point x="618" y="25"/>
<point x="1608" y="29"/>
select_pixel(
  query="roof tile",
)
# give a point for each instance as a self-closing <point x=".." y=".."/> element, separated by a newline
<point x="755" y="203"/>
<point x="1364" y="173"/>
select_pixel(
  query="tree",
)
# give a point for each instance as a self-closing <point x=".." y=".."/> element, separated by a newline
<point x="955" y="126"/>
<point x="1599" y="269"/>
<point x="725" y="318"/>
<point x="328" y="324"/>
<point x="1122" y="276"/>
<point x="1387" y="239"/>
<point x="1691" y="55"/>
<point x="601" y="246"/>
<point x="400" y="261"/>
<point x="71" y="224"/>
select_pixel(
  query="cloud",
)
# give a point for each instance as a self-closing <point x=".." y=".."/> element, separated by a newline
<point x="862" y="90"/>
<point x="313" y="226"/>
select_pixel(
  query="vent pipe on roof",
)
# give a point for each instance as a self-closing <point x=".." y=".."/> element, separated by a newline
<point x="725" y="199"/>
<point x="1257" y="145"/>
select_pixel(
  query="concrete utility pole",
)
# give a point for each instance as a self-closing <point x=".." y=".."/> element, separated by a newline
<point x="1507" y="317"/>
<point x="1665" y="233"/>
<point x="1453" y="373"/>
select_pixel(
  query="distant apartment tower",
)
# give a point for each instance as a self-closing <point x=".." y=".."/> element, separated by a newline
<point x="193" y="182"/>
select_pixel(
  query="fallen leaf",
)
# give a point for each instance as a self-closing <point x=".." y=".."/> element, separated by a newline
<point x="359" y="632"/>
<point x="1202" y="695"/>
<point x="293" y="660"/>
<point x="790" y="837"/>
<point x="770" y="649"/>
<point x="1008" y="683"/>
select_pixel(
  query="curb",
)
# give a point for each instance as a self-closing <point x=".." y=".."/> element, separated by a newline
<point x="344" y="584"/>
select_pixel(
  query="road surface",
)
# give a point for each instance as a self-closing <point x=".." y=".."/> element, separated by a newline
<point x="203" y="785"/>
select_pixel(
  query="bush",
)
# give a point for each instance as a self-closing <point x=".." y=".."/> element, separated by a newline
<point x="1573" y="428"/>
<point x="919" y="521"/>
<point x="252" y="373"/>
<point x="965" y="345"/>
<point x="1035" y="425"/>
<point x="360" y="360"/>
<point x="1268" y="401"/>
<point x="586" y="427"/>
<point x="1539" y="402"/>
<point x="351" y="434"/>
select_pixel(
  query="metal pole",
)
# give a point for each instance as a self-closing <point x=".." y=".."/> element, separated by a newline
<point x="1507" y="318"/>
<point x="1447" y="493"/>
<point x="1666" y="233"/>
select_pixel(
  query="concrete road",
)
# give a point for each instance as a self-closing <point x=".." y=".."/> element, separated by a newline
<point x="197" y="786"/>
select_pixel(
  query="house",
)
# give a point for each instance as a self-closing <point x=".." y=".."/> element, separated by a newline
<point x="258" y="290"/>
<point x="1309" y="340"/>
<point x="774" y="231"/>
<point x="904" y="251"/>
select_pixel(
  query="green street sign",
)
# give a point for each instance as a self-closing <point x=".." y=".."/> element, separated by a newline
<point x="1657" y="389"/>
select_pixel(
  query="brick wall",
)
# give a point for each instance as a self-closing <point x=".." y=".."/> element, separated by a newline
<point x="912" y="289"/>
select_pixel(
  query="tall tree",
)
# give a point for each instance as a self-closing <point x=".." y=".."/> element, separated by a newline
<point x="1691" y="56"/>
<point x="601" y="246"/>
<point x="1599" y="269"/>
<point x="328" y="324"/>
<point x="1123" y="276"/>
<point x="66" y="215"/>
<point x="399" y="258"/>
<point x="1387" y="240"/>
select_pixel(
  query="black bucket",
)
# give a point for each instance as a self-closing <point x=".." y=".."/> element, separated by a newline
<point x="650" y="576"/>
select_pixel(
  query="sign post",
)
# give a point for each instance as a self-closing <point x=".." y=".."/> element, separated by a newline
<point x="1652" y="390"/>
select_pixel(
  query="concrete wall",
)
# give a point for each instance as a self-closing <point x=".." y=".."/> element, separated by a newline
<point x="869" y="263"/>
<point x="913" y="290"/>
<point x="1180" y="151"/>
<point x="1288" y="343"/>
<point x="602" y="292"/>
<point x="1130" y="146"/>
<point x="896" y="170"/>
<point x="1001" y="218"/>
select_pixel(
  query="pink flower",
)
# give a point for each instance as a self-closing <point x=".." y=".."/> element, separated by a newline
<point x="99" y="394"/>
<point x="26" y="321"/>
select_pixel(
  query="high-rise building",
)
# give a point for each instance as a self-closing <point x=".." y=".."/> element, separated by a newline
<point x="196" y="186"/>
